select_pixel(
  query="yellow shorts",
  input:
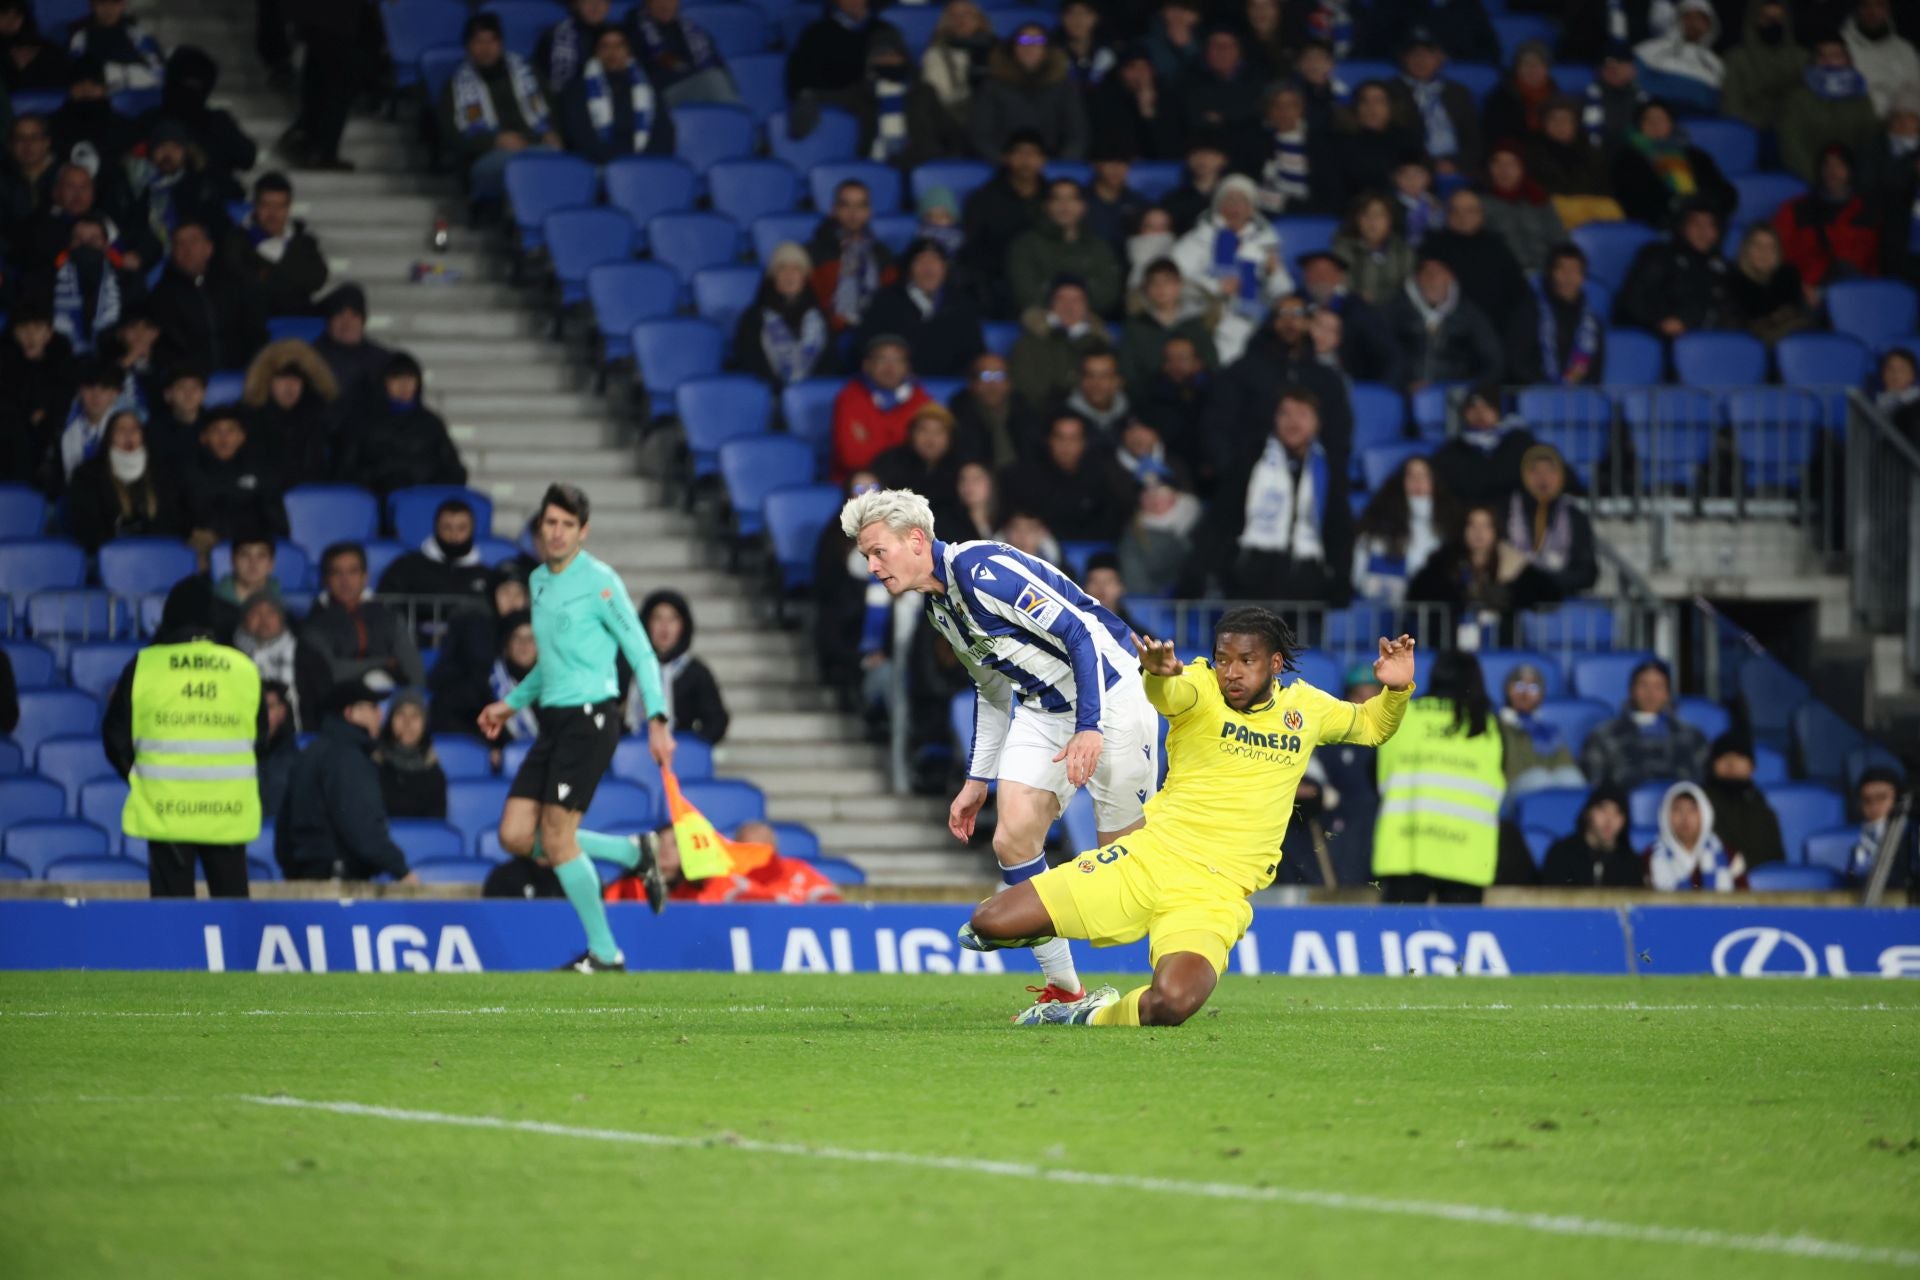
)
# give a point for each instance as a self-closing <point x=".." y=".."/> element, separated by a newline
<point x="1137" y="887"/>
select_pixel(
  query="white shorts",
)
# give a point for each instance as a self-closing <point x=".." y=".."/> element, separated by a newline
<point x="1129" y="768"/>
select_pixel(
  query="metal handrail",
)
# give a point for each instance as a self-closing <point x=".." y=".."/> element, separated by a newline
<point x="1882" y="531"/>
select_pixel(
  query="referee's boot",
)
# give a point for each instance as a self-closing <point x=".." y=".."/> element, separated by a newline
<point x="587" y="962"/>
<point x="648" y="869"/>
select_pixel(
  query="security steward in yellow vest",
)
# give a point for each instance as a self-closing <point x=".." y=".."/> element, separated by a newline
<point x="1442" y="778"/>
<point x="184" y="727"/>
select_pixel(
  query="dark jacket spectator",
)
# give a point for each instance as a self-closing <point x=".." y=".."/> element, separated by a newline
<point x="404" y="443"/>
<point x="1481" y="466"/>
<point x="1519" y="210"/>
<point x="1761" y="72"/>
<point x="1075" y="489"/>
<point x="274" y="252"/>
<point x="446" y="563"/>
<point x="1832" y="232"/>
<point x="1516" y="107"/>
<point x="333" y="821"/>
<point x="412" y="783"/>
<point x="229" y="486"/>
<point x="206" y="313"/>
<point x="1741" y="815"/>
<point x="1442" y="336"/>
<point x="611" y="108"/>
<point x="1569" y="344"/>
<point x="938" y="320"/>
<point x="87" y="130"/>
<point x="694" y="704"/>
<point x="1298" y="164"/>
<point x="1678" y="285"/>
<point x="566" y="46"/>
<point x="680" y="57"/>
<point x="1488" y="269"/>
<point x="850" y="263"/>
<point x="36" y="386"/>
<point x="1656" y="172"/>
<point x="355" y="633"/>
<point x="1646" y="741"/>
<point x="899" y="116"/>
<point x="191" y="77"/>
<point x="1827" y="107"/>
<point x="1246" y="396"/>
<point x="1372" y="142"/>
<point x="1477" y="573"/>
<point x="783" y="336"/>
<point x="289" y="396"/>
<point x="1061" y="244"/>
<point x="1597" y="855"/>
<point x="129" y="53"/>
<point x="266" y="636"/>
<point x="1281" y="527"/>
<point x="928" y="463"/>
<point x="491" y="108"/>
<point x="1439" y="111"/>
<point x="1562" y="158"/>
<point x="994" y="215"/>
<point x="1544" y="525"/>
<point x="1046" y="357"/>
<point x="991" y="423"/>
<point x="461" y="681"/>
<point x="1764" y="292"/>
<point x="164" y="184"/>
<point x="1225" y="95"/>
<point x="282" y="751"/>
<point x="122" y="492"/>
<point x="1027" y="90"/>
<point x="1132" y="112"/>
<point x="359" y="365"/>
<point x="1163" y="314"/>
<point x="830" y="57"/>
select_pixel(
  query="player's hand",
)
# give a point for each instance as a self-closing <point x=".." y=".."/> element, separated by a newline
<point x="1081" y="753"/>
<point x="1394" y="667"/>
<point x="965" y="809"/>
<point x="494" y="718"/>
<point x="660" y="743"/>
<point x="1157" y="657"/>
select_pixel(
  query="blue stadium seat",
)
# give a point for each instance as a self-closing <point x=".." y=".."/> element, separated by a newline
<point x="1709" y="717"/>
<point x="1576" y="624"/>
<point x="1379" y="416"/>
<point x="839" y="870"/>
<point x="1301" y="235"/>
<point x="297" y="328"/>
<point x="1771" y="694"/>
<point x="410" y="510"/>
<point x="1804" y="808"/>
<point x="882" y="183"/>
<point x="807" y="409"/>
<point x="321" y="514"/>
<point x="1578" y="421"/>
<point x="1822" y="740"/>
<point x="1000" y="335"/>
<point x="421" y="838"/>
<point x="1643" y="802"/>
<point x="74" y="615"/>
<point x="1877" y="312"/>
<point x="717" y="409"/>
<point x="1734" y="146"/>
<point x="1770" y="766"/>
<point x="450" y="870"/>
<point x="794" y="518"/>
<point x="11" y="870"/>
<point x="1378" y="464"/>
<point x="104" y="869"/>
<point x="1428" y="409"/>
<point x="944" y="390"/>
<point x="1605" y="677"/>
<point x="1634" y="358"/>
<point x="1780" y="877"/>
<point x="493" y="553"/>
<point x="261" y="846"/>
<point x="747" y="189"/>
<point x="1871" y="756"/>
<point x="755" y="466"/>
<point x="1008" y="18"/>
<point x="622" y="803"/>
<point x="1759" y="195"/>
<point x="1830" y="849"/>
<point x="667" y="353"/>
<point x="72" y="760"/>
<point x="1610" y="248"/>
<point x="794" y="840"/>
<point x="633" y="761"/>
<point x="437" y="65"/>
<point x="28" y="565"/>
<point x="1476" y="78"/>
<point x="381" y="553"/>
<point x="132" y="566"/>
<point x="1719" y="360"/>
<point x="487" y="847"/>
<point x="23" y="512"/>
<point x="772" y="230"/>
<point x="416" y="26"/>
<point x="1823" y="360"/>
<point x="707" y="133"/>
<point x="960" y="709"/>
<point x="1515" y="30"/>
<point x="1672" y="429"/>
<point x="959" y="177"/>
<point x="736" y="29"/>
<point x="225" y="387"/>
<point x="644" y="187"/>
<point x="513" y="755"/>
<point x="462" y="756"/>
<point x="13" y="761"/>
<point x="726" y="802"/>
<point x="95" y="666"/>
<point x="1555" y="809"/>
<point x="1318" y="669"/>
<point x="1154" y="179"/>
<point x="1354" y="72"/>
<point x="688" y="242"/>
<point x="692" y="757"/>
<point x="1774" y="432"/>
<point x="30" y="798"/>
<point x="915" y="24"/>
<point x="38" y="843"/>
<point x="580" y="239"/>
<point x="100" y="803"/>
<point x="473" y="805"/>
<point x="833" y="138"/>
<point x="291" y="564"/>
<point x="761" y="79"/>
<point x="542" y="182"/>
<point x="33" y="664"/>
<point x="1496" y="663"/>
<point x="54" y="713"/>
<point x="896" y="231"/>
<point x="523" y="22"/>
<point x="1079" y="828"/>
<point x="1576" y="717"/>
<point x="720" y="294"/>
<point x="622" y="294"/>
<point x="1068" y="170"/>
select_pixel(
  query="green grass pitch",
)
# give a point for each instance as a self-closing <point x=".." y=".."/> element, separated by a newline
<point x="716" y="1125"/>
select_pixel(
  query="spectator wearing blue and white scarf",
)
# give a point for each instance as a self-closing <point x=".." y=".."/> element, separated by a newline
<point x="87" y="296"/>
<point x="566" y="46"/>
<point x="611" y="109"/>
<point x="132" y="57"/>
<point x="680" y="56"/>
<point x="492" y="109"/>
<point x="517" y="654"/>
<point x="1442" y="111"/>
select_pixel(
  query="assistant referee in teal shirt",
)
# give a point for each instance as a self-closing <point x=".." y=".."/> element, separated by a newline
<point x="582" y="615"/>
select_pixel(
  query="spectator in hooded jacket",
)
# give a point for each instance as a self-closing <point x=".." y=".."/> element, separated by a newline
<point x="491" y="108"/>
<point x="1889" y="63"/>
<point x="1597" y="854"/>
<point x="122" y="491"/>
<point x="207" y="313"/>
<point x="1829" y="107"/>
<point x="403" y="444"/>
<point x="850" y="264"/>
<point x="873" y="410"/>
<point x="610" y="108"/>
<point x="355" y="633"/>
<point x="1832" y="232"/>
<point x="1658" y="174"/>
<point x="1646" y="741"/>
<point x="1678" y="285"/>
<point x="1741" y="815"/>
<point x="566" y="46"/>
<point x="694" y="704"/>
<point x="1537" y="754"/>
<point x="1681" y="65"/>
<point x="1060" y="243"/>
<point x="1689" y="853"/>
<point x="1442" y="336"/>
<point x="333" y="821"/>
<point x="229" y="487"/>
<point x="938" y="321"/>
<point x="447" y="561"/>
<point x="265" y="635"/>
<point x="1544" y="525"/>
<point x="191" y="76"/>
<point x="132" y="57"/>
<point x="1027" y="89"/>
<point x="359" y="365"/>
<point x="783" y="335"/>
<point x="1441" y="111"/>
<point x="289" y="395"/>
<point x="412" y="783"/>
<point x="275" y="252"/>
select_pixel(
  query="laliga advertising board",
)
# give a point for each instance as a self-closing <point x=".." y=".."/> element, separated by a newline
<point x="475" y="936"/>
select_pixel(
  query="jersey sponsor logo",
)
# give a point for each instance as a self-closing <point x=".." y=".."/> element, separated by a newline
<point x="1294" y="720"/>
<point x="1038" y="605"/>
<point x="1241" y="736"/>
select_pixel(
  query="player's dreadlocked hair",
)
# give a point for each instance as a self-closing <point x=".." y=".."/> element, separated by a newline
<point x="1252" y="620"/>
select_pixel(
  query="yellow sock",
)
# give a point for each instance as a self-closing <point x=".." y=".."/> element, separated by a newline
<point x="1124" y="1012"/>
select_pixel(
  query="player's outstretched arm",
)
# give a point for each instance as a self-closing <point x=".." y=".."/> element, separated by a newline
<point x="1394" y="667"/>
<point x="1161" y="669"/>
<point x="1157" y="657"/>
<point x="1376" y="719"/>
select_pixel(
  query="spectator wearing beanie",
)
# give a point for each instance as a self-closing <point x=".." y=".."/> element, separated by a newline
<point x="404" y="443"/>
<point x="1741" y="815"/>
<point x="412" y="783"/>
<point x="783" y="335"/>
<point x="191" y="77"/>
<point x="358" y="365"/>
<point x="1646" y="742"/>
<point x="1544" y="525"/>
<point x="274" y="251"/>
<point x="1441" y="111"/>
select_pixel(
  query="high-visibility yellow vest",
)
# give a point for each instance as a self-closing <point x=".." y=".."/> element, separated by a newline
<point x="1440" y="795"/>
<point x="195" y="708"/>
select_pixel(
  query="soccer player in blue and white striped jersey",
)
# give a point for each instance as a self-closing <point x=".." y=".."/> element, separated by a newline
<point x="1029" y="636"/>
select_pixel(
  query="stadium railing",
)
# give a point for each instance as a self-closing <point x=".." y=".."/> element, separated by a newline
<point x="1881" y="531"/>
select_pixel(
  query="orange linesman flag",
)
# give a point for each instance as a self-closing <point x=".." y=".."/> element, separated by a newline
<point x="704" y="852"/>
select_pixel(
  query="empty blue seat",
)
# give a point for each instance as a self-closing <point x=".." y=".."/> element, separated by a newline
<point x="28" y="565"/>
<point x="437" y="66"/>
<point x="1578" y="421"/>
<point x="1514" y="30"/>
<point x="794" y="519"/>
<point x="319" y="515"/>
<point x="1771" y="694"/>
<point x="473" y="805"/>
<point x="1357" y="71"/>
<point x="487" y="847"/>
<point x="523" y="22"/>
<point x="1877" y="312"/>
<point x="720" y="294"/>
<point x="1774" y="433"/>
<point x="833" y="138"/>
<point x="33" y="664"/>
<point x="134" y="566"/>
<point x="410" y="510"/>
<point x="960" y="712"/>
<point x="915" y="24"/>
<point x="959" y="177"/>
<point x="621" y="803"/>
<point x="580" y="239"/>
<point x="772" y="230"/>
<point x="1428" y="408"/>
<point x="1496" y="663"/>
<point x="1830" y="849"/>
<point x="542" y="182"/>
<point x="1576" y="624"/>
<point x="1757" y="196"/>
<point x="23" y="512"/>
<point x="747" y="189"/>
<point x="40" y="842"/>
<point x="1477" y="78"/>
<point x="1634" y="358"/>
<point x="54" y="713"/>
<point x="100" y="803"/>
<point x="102" y="869"/>
<point x="688" y="242"/>
<point x="1555" y="809"/>
<point x="1734" y="146"/>
<point x="1154" y="179"/>
<point x="896" y="231"/>
<point x="1379" y="415"/>
<point x="457" y="869"/>
<point x="692" y="757"/>
<point x="13" y="760"/>
<point x="1672" y="429"/>
<point x="761" y="80"/>
<point x="714" y="410"/>
<point x="667" y="353"/>
<point x="794" y="840"/>
<point x="1303" y="235"/>
<point x="1611" y="248"/>
<point x="726" y="802"/>
<point x="1709" y="717"/>
<point x="707" y="133"/>
<point x="1606" y="676"/>
<point x="1719" y="359"/>
<point x="29" y="798"/>
<point x="839" y="870"/>
<point x="753" y="467"/>
<point x="416" y="26"/>
<point x="300" y="328"/>
<point x="807" y="409"/>
<point x="622" y="294"/>
<point x="1804" y="808"/>
<point x="1643" y="802"/>
<point x="225" y="387"/>
<point x="736" y="29"/>
<point x="1781" y="877"/>
<point x="644" y="187"/>
<point x="291" y="564"/>
<point x="1378" y="463"/>
<point x="1770" y="766"/>
<point x="1823" y="360"/>
<point x="881" y="181"/>
<point x="633" y="761"/>
<point x="462" y="757"/>
<point x="1576" y="717"/>
<point x="11" y="870"/>
<point x="381" y="553"/>
<point x="1823" y="739"/>
<point x="74" y="615"/>
<point x="1320" y="670"/>
<point x="1000" y="335"/>
<point x="72" y="760"/>
<point x="422" y="838"/>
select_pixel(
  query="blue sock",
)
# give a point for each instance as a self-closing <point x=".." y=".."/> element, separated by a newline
<point x="582" y="885"/>
<point x="1025" y="871"/>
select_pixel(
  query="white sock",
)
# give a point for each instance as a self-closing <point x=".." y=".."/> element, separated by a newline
<point x="1056" y="962"/>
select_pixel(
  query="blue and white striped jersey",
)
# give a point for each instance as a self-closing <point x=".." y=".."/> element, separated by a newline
<point x="1027" y="633"/>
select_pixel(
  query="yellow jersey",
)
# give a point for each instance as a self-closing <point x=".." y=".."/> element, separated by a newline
<point x="1231" y="775"/>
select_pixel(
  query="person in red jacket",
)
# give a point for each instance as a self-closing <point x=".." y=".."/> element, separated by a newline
<point x="1831" y="232"/>
<point x="873" y="411"/>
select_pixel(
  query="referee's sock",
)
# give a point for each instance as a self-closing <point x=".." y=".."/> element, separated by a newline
<point x="582" y="886"/>
<point x="619" y="850"/>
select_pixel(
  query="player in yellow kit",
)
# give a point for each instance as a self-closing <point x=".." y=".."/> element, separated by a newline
<point x="1236" y="749"/>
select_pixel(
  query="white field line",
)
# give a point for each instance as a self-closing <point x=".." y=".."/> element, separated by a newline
<point x="1480" y="1215"/>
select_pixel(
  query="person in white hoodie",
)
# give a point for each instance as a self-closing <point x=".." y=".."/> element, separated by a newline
<point x="1688" y="855"/>
<point x="1887" y="61"/>
<point x="1234" y="255"/>
<point x="1680" y="65"/>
